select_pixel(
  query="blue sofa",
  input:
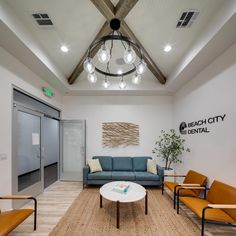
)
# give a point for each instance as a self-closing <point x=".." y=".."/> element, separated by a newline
<point x="123" y="168"/>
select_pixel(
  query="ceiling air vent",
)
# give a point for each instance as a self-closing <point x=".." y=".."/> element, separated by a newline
<point x="42" y="19"/>
<point x="187" y="18"/>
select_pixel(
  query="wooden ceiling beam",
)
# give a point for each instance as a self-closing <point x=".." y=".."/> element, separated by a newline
<point x="105" y="7"/>
<point x="123" y="7"/>
<point x="120" y="11"/>
<point x="79" y="68"/>
<point x="150" y="63"/>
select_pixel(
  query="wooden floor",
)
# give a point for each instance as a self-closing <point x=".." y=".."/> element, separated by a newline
<point x="52" y="205"/>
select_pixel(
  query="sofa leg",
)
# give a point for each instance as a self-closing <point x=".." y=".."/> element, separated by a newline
<point x="162" y="188"/>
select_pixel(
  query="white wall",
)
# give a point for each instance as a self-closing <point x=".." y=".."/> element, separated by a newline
<point x="14" y="73"/>
<point x="211" y="93"/>
<point x="151" y="113"/>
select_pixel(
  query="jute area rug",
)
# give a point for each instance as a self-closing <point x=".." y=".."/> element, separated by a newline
<point x="85" y="217"/>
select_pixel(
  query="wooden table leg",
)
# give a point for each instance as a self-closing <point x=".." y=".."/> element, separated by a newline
<point x="117" y="214"/>
<point x="146" y="203"/>
<point x="100" y="201"/>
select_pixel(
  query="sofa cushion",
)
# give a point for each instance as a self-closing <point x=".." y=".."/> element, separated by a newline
<point x="100" y="175"/>
<point x="152" y="166"/>
<point x="122" y="163"/>
<point x="146" y="176"/>
<point x="122" y="175"/>
<point x="140" y="163"/>
<point x="105" y="161"/>
<point x="94" y="165"/>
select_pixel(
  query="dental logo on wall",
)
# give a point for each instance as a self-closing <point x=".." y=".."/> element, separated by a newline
<point x="200" y="126"/>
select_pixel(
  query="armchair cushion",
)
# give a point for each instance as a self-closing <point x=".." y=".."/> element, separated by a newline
<point x="197" y="204"/>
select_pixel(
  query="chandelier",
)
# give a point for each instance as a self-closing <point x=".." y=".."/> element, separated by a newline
<point x="105" y="65"/>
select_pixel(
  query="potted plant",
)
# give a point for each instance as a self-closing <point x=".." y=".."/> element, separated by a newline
<point x="169" y="147"/>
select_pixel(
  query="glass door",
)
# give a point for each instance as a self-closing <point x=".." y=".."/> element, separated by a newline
<point x="27" y="149"/>
<point x="73" y="150"/>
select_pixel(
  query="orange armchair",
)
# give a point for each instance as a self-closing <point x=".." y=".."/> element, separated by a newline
<point x="219" y="205"/>
<point x="192" y="178"/>
<point x="9" y="220"/>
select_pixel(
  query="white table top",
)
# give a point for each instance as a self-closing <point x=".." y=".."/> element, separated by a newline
<point x="135" y="192"/>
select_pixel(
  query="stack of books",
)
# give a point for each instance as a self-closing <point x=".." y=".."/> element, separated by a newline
<point x="121" y="188"/>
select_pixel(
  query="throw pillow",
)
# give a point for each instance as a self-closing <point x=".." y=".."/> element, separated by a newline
<point x="94" y="165"/>
<point x="152" y="166"/>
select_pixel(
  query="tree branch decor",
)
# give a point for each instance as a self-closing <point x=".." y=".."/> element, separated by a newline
<point x="116" y="134"/>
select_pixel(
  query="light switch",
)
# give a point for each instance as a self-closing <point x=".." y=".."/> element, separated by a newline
<point x="3" y="156"/>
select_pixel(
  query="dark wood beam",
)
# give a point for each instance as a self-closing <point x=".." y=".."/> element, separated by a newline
<point x="123" y="7"/>
<point x="150" y="63"/>
<point x="79" y="68"/>
<point x="105" y="7"/>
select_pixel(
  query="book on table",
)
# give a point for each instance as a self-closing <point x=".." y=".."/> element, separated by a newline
<point x="121" y="188"/>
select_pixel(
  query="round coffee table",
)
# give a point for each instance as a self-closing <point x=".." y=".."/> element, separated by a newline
<point x="135" y="193"/>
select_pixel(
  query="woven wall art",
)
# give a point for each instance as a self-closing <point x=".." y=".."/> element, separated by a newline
<point x="116" y="134"/>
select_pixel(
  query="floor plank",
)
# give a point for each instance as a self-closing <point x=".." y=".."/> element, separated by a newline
<point x="52" y="204"/>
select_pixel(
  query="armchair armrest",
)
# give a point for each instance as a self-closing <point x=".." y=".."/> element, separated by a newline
<point x="193" y="187"/>
<point x="189" y="185"/>
<point x="16" y="197"/>
<point x="222" y="206"/>
<point x="175" y="175"/>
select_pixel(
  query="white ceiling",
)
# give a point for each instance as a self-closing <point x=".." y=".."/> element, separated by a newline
<point x="76" y="22"/>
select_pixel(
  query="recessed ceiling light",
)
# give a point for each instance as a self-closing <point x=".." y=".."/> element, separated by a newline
<point x="167" y="48"/>
<point x="64" y="48"/>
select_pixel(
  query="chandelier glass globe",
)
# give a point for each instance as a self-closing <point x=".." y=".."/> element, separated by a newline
<point x="136" y="79"/>
<point x="141" y="67"/>
<point x="103" y="54"/>
<point x="106" y="83"/>
<point x="92" y="78"/>
<point x="88" y="65"/>
<point x="122" y="83"/>
<point x="129" y="55"/>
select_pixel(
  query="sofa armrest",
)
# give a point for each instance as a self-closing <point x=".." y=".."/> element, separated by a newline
<point x="160" y="172"/>
<point x="85" y="174"/>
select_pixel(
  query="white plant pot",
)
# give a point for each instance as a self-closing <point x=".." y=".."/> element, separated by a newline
<point x="169" y="172"/>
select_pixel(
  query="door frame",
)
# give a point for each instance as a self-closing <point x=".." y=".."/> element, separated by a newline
<point x="36" y="188"/>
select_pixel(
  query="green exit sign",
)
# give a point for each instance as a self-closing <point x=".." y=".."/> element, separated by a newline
<point x="48" y="92"/>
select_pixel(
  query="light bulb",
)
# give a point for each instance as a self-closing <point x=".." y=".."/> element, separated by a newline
<point x="106" y="83"/>
<point x="136" y="79"/>
<point x="64" y="48"/>
<point x="103" y="54"/>
<point x="92" y="78"/>
<point x="167" y="48"/>
<point x="122" y="84"/>
<point x="129" y="55"/>
<point x="141" y="67"/>
<point x="88" y="65"/>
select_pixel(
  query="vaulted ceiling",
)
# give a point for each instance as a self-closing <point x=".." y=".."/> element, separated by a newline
<point x="76" y="23"/>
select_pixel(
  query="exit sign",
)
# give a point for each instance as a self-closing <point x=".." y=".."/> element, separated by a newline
<point x="48" y="92"/>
